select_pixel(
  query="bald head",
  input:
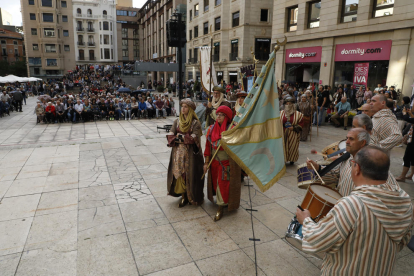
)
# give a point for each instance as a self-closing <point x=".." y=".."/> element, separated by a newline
<point x="378" y="102"/>
<point x="374" y="163"/>
<point x="366" y="109"/>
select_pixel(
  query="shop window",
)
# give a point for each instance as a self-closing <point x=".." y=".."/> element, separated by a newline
<point x="234" y="50"/>
<point x="262" y="48"/>
<point x="196" y="10"/>
<point x="46" y="3"/>
<point x="217" y="24"/>
<point x="31" y="2"/>
<point x="349" y="10"/>
<point x="314" y="14"/>
<point x="195" y="31"/>
<point x="264" y="15"/>
<point x="35" y="47"/>
<point x="235" y="17"/>
<point x="217" y="2"/>
<point x="34" y="31"/>
<point x="48" y="17"/>
<point x="383" y="8"/>
<point x="206" y="5"/>
<point x="32" y="16"/>
<point x="205" y="28"/>
<point x="292" y="24"/>
<point x="377" y="73"/>
<point x="216" y="52"/>
<point x="64" y="18"/>
<point x="303" y="73"/>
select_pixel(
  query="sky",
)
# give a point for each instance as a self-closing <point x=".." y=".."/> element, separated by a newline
<point x="13" y="7"/>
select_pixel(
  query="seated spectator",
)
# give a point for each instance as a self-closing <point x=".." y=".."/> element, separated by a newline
<point x="127" y="110"/>
<point x="103" y="110"/>
<point x="160" y="107"/>
<point x="40" y="112"/>
<point x="4" y="108"/>
<point x="150" y="108"/>
<point x="69" y="110"/>
<point x="118" y="109"/>
<point x="342" y="109"/>
<point x="50" y="112"/>
<point x="111" y="111"/>
<point x="78" y="111"/>
<point x="167" y="105"/>
<point x="95" y="108"/>
<point x="142" y="109"/>
<point x="134" y="108"/>
<point x="60" y="112"/>
<point x="87" y="111"/>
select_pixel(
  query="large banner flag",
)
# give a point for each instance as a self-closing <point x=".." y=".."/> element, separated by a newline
<point x="205" y="71"/>
<point x="256" y="142"/>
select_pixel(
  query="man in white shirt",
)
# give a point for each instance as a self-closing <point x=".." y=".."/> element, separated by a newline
<point x="78" y="111"/>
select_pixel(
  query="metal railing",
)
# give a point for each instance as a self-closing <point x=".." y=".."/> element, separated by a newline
<point x="91" y="43"/>
<point x="91" y="58"/>
<point x="50" y="50"/>
<point x="90" y="30"/>
<point x="80" y="29"/>
<point x="81" y="43"/>
<point x="81" y="58"/>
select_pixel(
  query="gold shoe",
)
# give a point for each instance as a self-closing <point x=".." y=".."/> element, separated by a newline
<point x="219" y="214"/>
<point x="184" y="201"/>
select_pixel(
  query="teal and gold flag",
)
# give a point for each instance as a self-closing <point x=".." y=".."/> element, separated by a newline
<point x="256" y="142"/>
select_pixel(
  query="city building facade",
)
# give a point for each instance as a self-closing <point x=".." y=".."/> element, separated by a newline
<point x="360" y="42"/>
<point x="128" y="34"/>
<point x="236" y="27"/>
<point x="94" y="22"/>
<point x="12" y="46"/>
<point x="5" y="17"/>
<point x="49" y="37"/>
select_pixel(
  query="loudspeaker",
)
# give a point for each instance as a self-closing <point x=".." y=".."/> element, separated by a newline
<point x="175" y="36"/>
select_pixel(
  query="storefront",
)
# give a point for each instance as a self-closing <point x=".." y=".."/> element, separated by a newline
<point x="219" y="76"/>
<point x="364" y="63"/>
<point x="303" y="65"/>
<point x="233" y="76"/>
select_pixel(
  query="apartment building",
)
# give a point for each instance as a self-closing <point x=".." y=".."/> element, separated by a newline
<point x="128" y="34"/>
<point x="12" y="46"/>
<point x="236" y="27"/>
<point x="49" y="37"/>
<point x="94" y="22"/>
<point x="361" y="42"/>
<point x="152" y="18"/>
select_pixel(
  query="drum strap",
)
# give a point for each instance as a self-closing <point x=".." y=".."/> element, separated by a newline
<point x="335" y="163"/>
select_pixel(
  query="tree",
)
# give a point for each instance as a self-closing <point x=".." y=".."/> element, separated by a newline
<point x="17" y="68"/>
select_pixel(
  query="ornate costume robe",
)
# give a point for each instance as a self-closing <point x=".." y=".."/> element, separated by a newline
<point x="292" y="137"/>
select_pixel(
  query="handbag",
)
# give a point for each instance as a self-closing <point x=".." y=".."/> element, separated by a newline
<point x="171" y="140"/>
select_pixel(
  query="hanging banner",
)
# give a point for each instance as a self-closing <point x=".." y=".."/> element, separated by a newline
<point x="361" y="75"/>
<point x="207" y="73"/>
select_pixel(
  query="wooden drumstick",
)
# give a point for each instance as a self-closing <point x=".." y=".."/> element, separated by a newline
<point x="332" y="197"/>
<point x="323" y="182"/>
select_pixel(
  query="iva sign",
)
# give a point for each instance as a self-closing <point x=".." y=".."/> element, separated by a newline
<point x="361" y="75"/>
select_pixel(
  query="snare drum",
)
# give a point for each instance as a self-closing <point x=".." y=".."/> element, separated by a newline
<point x="334" y="147"/>
<point x="307" y="177"/>
<point x="294" y="237"/>
<point x="319" y="200"/>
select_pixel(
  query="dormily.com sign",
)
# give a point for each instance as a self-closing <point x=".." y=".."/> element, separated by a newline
<point x="364" y="51"/>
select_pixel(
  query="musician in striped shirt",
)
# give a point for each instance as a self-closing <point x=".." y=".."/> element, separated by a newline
<point x="385" y="123"/>
<point x="363" y="232"/>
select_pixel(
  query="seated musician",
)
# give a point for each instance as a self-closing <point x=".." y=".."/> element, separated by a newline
<point x="360" y="235"/>
<point x="357" y="138"/>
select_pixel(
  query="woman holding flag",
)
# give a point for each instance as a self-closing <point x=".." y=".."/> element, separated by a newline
<point x="224" y="174"/>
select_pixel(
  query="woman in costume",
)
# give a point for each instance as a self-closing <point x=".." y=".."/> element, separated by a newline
<point x="224" y="174"/>
<point x="292" y="122"/>
<point x="239" y="102"/>
<point x="186" y="162"/>
<point x="305" y="108"/>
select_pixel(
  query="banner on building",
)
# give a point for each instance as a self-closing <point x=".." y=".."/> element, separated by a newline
<point x="361" y="75"/>
<point x="207" y="74"/>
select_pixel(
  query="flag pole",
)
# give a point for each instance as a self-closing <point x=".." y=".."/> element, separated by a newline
<point x="211" y="65"/>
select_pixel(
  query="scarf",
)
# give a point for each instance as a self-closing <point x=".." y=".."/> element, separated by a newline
<point x="218" y="129"/>
<point x="185" y="123"/>
<point x="237" y="106"/>
<point x="217" y="103"/>
<point x="289" y="110"/>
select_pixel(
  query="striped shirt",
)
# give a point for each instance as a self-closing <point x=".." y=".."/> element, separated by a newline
<point x="386" y="129"/>
<point x="362" y="234"/>
<point x="342" y="174"/>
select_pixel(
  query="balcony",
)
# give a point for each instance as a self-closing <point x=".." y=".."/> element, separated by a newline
<point x="89" y="15"/>
<point x="90" y="30"/>
<point x="91" y="44"/>
<point x="78" y="15"/>
<point x="233" y="56"/>
<point x="80" y="29"/>
<point x="92" y="58"/>
<point x="81" y="58"/>
<point x="16" y="55"/>
<point x="192" y="60"/>
<point x="104" y="16"/>
<point x="81" y="43"/>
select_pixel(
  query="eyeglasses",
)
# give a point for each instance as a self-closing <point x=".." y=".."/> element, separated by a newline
<point x="355" y="162"/>
<point x="220" y="115"/>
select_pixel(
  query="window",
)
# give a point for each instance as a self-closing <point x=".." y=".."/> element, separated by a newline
<point x="15" y="42"/>
<point x="123" y="13"/>
<point x="217" y="23"/>
<point x="314" y="12"/>
<point x="124" y="32"/>
<point x="106" y="54"/>
<point x="49" y="32"/>
<point x="32" y="16"/>
<point x="205" y="28"/>
<point x="195" y="10"/>
<point x="349" y="10"/>
<point x="195" y="55"/>
<point x="106" y="39"/>
<point x="35" y="47"/>
<point x="81" y="55"/>
<point x="91" y="55"/>
<point x="46" y="3"/>
<point x="105" y="26"/>
<point x="78" y="11"/>
<point x="66" y="48"/>
<point x="34" y="31"/>
<point x="124" y="53"/>
<point x="191" y="15"/>
<point x="64" y="18"/>
<point x="217" y="2"/>
<point x="235" y="17"/>
<point x="48" y="17"/>
<point x="292" y="24"/>
<point x="262" y="48"/>
<point x="35" y="61"/>
<point x="132" y="13"/>
<point x="89" y="12"/>
<point x="216" y="52"/>
<point x="124" y="43"/>
<point x="63" y="4"/>
<point x="383" y="8"/>
<point x="195" y="31"/>
<point x="65" y="33"/>
<point x="36" y="71"/>
<point x="206" y="5"/>
<point x="3" y="41"/>
<point x="80" y="40"/>
<point x="50" y="48"/>
<point x="104" y="12"/>
<point x="31" y="2"/>
<point x="51" y="62"/>
<point x="191" y="34"/>
<point x="234" y="49"/>
<point x="264" y="15"/>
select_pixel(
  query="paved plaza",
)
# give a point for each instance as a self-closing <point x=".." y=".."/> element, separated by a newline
<point x="91" y="199"/>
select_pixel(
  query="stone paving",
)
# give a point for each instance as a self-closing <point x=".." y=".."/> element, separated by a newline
<point x="90" y="199"/>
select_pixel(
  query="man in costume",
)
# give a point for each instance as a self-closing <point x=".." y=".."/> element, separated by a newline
<point x="365" y="230"/>
<point x="292" y="122"/>
<point x="305" y="108"/>
<point x="217" y="101"/>
<point x="186" y="161"/>
<point x="224" y="174"/>
<point x="239" y="102"/>
<point x="357" y="138"/>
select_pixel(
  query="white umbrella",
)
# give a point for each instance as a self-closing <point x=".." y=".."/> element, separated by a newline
<point x="11" y="78"/>
<point x="34" y="79"/>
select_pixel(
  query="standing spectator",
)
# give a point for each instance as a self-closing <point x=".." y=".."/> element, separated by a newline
<point x="50" y="113"/>
<point x="323" y="104"/>
<point x="409" y="151"/>
<point x="142" y="106"/>
<point x="367" y="95"/>
<point x="24" y="95"/>
<point x="18" y="98"/>
<point x="167" y="105"/>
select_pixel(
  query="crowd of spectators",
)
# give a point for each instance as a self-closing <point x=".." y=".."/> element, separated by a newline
<point x="12" y="98"/>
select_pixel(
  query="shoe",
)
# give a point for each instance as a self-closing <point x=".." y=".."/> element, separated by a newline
<point x="219" y="214"/>
<point x="400" y="179"/>
<point x="291" y="163"/>
<point x="184" y="201"/>
<point x="125" y="119"/>
<point x="345" y="128"/>
<point x="409" y="177"/>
